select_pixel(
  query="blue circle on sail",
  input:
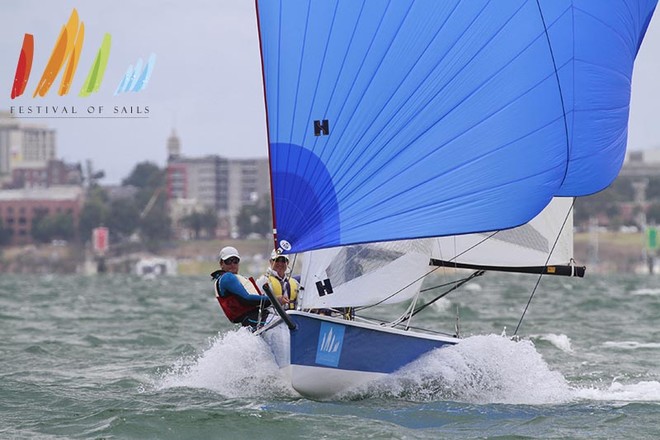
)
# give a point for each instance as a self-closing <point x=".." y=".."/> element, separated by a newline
<point x="304" y="196"/>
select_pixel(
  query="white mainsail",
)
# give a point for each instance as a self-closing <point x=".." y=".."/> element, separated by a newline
<point x="533" y="244"/>
<point x="393" y="272"/>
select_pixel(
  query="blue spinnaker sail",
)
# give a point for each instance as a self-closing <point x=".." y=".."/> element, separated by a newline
<point x="396" y="119"/>
<point x="594" y="44"/>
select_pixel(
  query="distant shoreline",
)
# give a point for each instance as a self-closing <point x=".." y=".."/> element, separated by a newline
<point x="605" y="252"/>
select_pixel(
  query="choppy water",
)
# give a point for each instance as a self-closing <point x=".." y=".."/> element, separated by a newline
<point x="127" y="358"/>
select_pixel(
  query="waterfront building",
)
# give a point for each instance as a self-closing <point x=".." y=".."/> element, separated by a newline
<point x="20" y="207"/>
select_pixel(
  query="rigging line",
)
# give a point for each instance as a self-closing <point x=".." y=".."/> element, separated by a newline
<point x="561" y="94"/>
<point x="439" y="286"/>
<point x="538" y="281"/>
<point x="403" y="316"/>
<point x="474" y="245"/>
<point x="373" y="320"/>
<point x="410" y="312"/>
<point x="458" y="284"/>
<point x="429" y="273"/>
<point x="399" y="291"/>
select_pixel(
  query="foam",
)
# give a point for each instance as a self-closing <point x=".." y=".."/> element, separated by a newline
<point x="644" y="391"/>
<point x="481" y="369"/>
<point x="237" y="364"/>
<point x="562" y="341"/>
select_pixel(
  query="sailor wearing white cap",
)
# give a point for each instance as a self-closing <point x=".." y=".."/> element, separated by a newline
<point x="279" y="280"/>
<point x="238" y="296"/>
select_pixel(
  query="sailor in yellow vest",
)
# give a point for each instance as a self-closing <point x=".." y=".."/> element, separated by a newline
<point x="278" y="278"/>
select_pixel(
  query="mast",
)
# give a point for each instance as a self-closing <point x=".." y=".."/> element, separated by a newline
<point x="270" y="166"/>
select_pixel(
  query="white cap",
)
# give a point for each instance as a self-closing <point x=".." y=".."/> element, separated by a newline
<point x="274" y="255"/>
<point x="227" y="252"/>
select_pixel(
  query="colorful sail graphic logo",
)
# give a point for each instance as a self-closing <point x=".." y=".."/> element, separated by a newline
<point x="64" y="57"/>
<point x="136" y="79"/>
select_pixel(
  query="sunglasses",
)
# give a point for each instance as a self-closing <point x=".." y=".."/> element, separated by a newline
<point x="232" y="260"/>
<point x="281" y="260"/>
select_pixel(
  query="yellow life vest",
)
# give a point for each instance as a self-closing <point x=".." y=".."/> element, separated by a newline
<point x="276" y="286"/>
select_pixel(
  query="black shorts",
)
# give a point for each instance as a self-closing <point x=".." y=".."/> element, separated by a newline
<point x="252" y="318"/>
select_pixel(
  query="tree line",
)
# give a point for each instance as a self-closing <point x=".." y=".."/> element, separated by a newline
<point x="616" y="203"/>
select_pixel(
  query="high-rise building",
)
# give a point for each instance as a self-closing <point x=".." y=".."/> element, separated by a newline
<point x="249" y="181"/>
<point x="200" y="178"/>
<point x="218" y="183"/>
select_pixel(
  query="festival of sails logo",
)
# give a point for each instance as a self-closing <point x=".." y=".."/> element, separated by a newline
<point x="65" y="56"/>
<point x="331" y="339"/>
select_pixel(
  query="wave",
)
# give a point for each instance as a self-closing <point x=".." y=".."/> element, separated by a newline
<point x="631" y="345"/>
<point x="562" y="341"/>
<point x="645" y="292"/>
<point x="644" y="391"/>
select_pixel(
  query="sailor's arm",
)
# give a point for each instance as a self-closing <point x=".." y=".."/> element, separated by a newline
<point x="230" y="283"/>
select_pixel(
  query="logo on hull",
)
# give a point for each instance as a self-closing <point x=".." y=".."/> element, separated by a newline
<point x="331" y="338"/>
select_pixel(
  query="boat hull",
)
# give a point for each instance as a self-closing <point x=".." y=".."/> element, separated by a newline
<point x="324" y="356"/>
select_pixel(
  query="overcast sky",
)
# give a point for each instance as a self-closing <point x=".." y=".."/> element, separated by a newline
<point x="206" y="83"/>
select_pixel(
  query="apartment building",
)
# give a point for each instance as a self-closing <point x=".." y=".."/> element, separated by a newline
<point x="214" y="182"/>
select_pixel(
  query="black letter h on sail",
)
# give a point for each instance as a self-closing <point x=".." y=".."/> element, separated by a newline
<point x="324" y="287"/>
<point x="321" y="128"/>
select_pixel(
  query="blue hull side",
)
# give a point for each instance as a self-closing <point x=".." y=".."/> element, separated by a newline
<point x="345" y="345"/>
<point x="325" y="356"/>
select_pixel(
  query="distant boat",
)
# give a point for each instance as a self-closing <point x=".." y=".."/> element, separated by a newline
<point x="412" y="134"/>
<point x="151" y="267"/>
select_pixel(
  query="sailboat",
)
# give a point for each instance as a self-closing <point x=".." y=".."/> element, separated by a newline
<point x="407" y="135"/>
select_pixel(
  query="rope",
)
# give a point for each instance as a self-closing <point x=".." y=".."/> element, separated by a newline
<point x="561" y="96"/>
<point x="427" y="274"/>
<point x="538" y="280"/>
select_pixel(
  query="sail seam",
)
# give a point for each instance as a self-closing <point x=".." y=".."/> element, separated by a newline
<point x="561" y="93"/>
<point x="339" y="177"/>
<point x="322" y="195"/>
